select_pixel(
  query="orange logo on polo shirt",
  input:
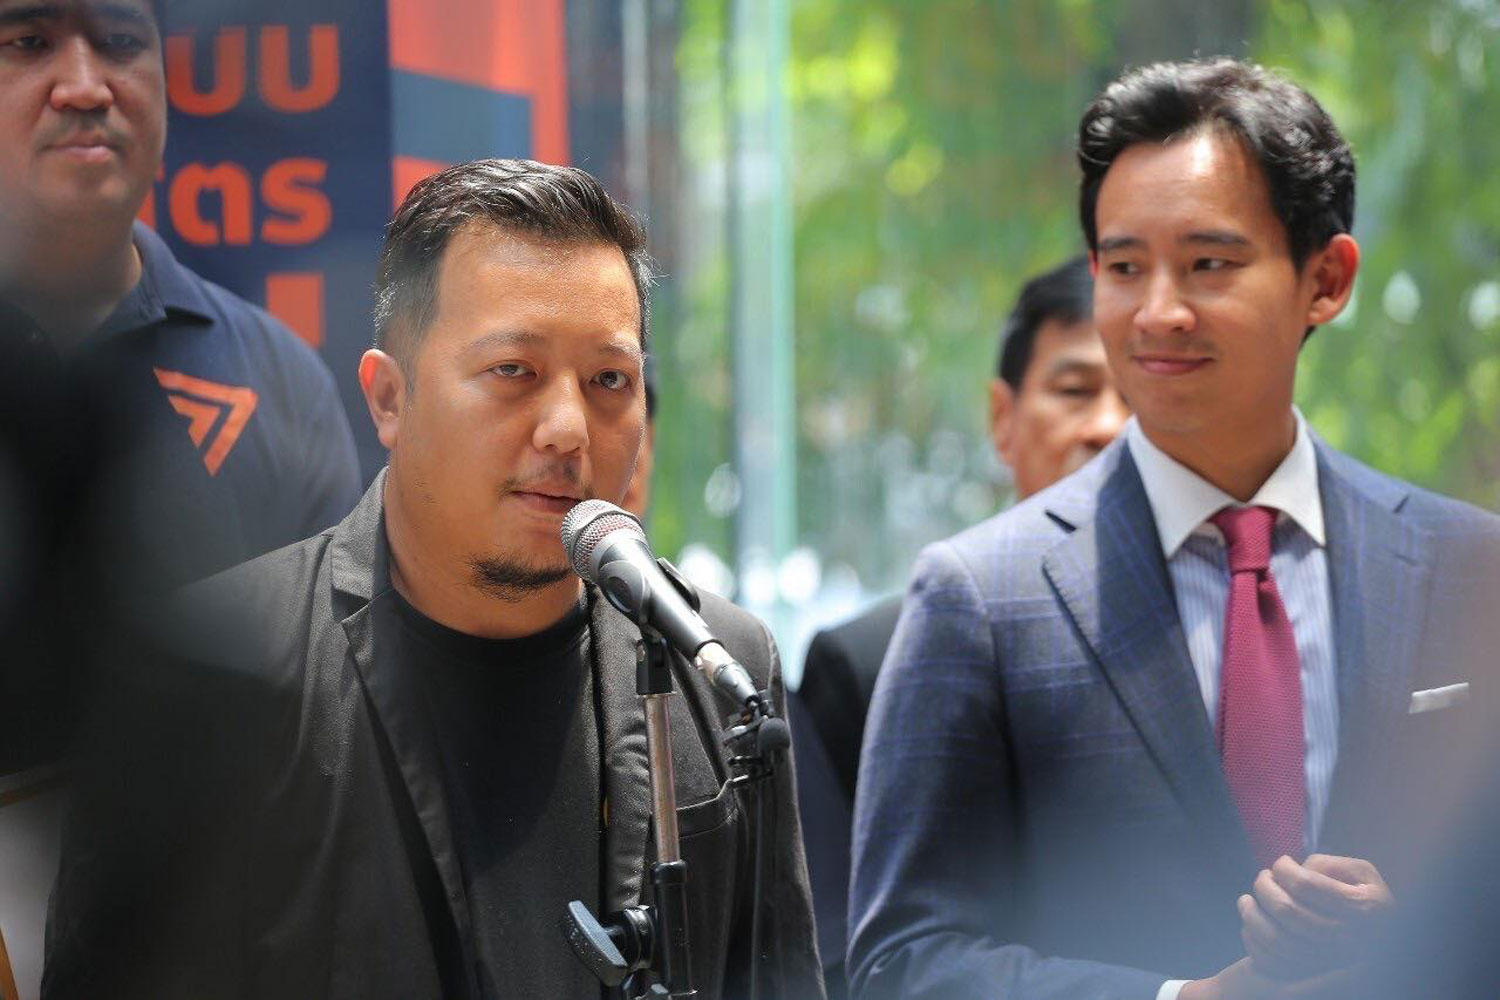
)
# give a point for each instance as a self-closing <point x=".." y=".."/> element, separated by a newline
<point x="203" y="403"/>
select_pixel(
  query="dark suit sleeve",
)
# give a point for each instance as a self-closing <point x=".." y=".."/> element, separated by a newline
<point x="789" y="924"/>
<point x="826" y="818"/>
<point x="938" y="878"/>
<point x="838" y="678"/>
<point x="826" y="693"/>
<point x="144" y="905"/>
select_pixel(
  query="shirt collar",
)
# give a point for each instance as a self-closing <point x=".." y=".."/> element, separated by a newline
<point x="177" y="288"/>
<point x="165" y="288"/>
<point x="1181" y="500"/>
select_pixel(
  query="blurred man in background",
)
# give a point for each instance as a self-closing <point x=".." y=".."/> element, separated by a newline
<point x="229" y="433"/>
<point x="1167" y="728"/>
<point x="1053" y="406"/>
<point x="637" y="497"/>
<point x="155" y="428"/>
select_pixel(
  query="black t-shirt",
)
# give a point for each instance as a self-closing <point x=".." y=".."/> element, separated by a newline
<point x="516" y="727"/>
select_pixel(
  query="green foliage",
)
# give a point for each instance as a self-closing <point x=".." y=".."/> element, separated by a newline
<point x="691" y="345"/>
<point x="933" y="142"/>
<point x="1415" y="87"/>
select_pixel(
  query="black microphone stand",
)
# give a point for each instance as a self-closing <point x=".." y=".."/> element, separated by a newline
<point x="653" y="938"/>
<point x="648" y="937"/>
<point x="757" y="743"/>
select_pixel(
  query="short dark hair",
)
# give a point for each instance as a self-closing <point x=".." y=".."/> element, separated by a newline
<point x="1307" y="164"/>
<point x="1064" y="294"/>
<point x="556" y="204"/>
<point x="650" y="386"/>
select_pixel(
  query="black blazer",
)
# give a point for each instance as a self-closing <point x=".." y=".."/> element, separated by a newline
<point x="280" y="830"/>
<point x="838" y="679"/>
<point x="828" y="723"/>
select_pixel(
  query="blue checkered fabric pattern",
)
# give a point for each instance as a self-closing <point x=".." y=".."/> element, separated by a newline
<point x="1041" y="812"/>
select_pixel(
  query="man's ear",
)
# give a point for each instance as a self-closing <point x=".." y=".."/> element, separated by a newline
<point x="384" y="385"/>
<point x="1002" y="414"/>
<point x="1332" y="271"/>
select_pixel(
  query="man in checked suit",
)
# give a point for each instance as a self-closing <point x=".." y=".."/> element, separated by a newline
<point x="1177" y="727"/>
<point x="1053" y="407"/>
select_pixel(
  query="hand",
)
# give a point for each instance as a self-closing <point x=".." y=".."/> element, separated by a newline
<point x="1241" y="981"/>
<point x="1302" y="920"/>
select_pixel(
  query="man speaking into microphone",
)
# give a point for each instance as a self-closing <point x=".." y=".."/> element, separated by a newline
<point x="435" y="742"/>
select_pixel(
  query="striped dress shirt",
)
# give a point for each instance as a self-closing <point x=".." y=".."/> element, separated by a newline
<point x="1181" y="503"/>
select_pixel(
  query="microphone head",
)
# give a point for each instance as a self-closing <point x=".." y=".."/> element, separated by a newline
<point x="774" y="734"/>
<point x="586" y="525"/>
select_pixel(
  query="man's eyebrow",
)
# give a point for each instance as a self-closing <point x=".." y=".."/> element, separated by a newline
<point x="629" y="350"/>
<point x="13" y="15"/>
<point x="1074" y="366"/>
<point x="1109" y="243"/>
<point x="527" y="338"/>
<point x="1216" y="237"/>
<point x="118" y="12"/>
<point x="506" y="338"/>
<point x="1212" y="237"/>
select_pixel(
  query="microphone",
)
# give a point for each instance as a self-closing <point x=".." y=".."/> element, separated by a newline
<point x="608" y="547"/>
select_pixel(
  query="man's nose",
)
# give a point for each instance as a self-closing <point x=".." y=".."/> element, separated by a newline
<point x="562" y="423"/>
<point x="1164" y="310"/>
<point x="82" y="79"/>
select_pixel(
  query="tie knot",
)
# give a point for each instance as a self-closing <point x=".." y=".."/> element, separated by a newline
<point x="1247" y="534"/>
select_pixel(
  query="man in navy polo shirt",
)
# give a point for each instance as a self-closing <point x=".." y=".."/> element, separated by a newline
<point x="227" y="430"/>
<point x="154" y="428"/>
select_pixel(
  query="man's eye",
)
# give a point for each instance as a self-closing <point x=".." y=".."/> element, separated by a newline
<point x="1211" y="264"/>
<point x="613" y="379"/>
<point x="27" y="43"/>
<point x="1074" y="390"/>
<point x="122" y="43"/>
<point x="511" y="369"/>
<point x="1124" y="268"/>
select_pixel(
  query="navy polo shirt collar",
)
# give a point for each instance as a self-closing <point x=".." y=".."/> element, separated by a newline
<point x="166" y="288"/>
<point x="176" y="288"/>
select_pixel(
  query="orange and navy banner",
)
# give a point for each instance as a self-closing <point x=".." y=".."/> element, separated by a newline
<point x="295" y="123"/>
<point x="472" y="78"/>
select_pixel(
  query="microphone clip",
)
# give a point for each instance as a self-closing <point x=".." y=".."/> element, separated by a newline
<point x="757" y="743"/>
<point x="627" y="588"/>
<point x="683" y="585"/>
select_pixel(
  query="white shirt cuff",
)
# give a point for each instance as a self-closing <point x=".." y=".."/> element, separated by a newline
<point x="1170" y="989"/>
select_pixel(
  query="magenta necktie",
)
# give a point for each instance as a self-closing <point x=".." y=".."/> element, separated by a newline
<point x="1260" y="734"/>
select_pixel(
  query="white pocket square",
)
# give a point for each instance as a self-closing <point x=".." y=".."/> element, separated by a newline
<point x="1437" y="698"/>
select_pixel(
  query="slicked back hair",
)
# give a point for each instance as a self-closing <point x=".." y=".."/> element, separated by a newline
<point x="1306" y="162"/>
<point x="1064" y="294"/>
<point x="561" y="205"/>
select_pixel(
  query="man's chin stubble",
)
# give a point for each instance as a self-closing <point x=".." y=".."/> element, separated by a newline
<point x="512" y="581"/>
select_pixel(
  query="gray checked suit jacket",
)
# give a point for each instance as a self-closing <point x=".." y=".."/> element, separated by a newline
<point x="1041" y="812"/>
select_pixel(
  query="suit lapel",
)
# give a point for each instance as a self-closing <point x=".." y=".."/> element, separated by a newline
<point x="392" y="696"/>
<point x="1113" y="584"/>
<point x="627" y="775"/>
<point x="361" y="575"/>
<point x="1378" y="577"/>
